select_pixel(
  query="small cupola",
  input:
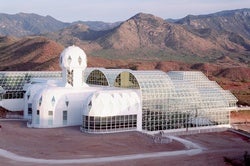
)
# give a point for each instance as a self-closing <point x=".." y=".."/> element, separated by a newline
<point x="73" y="62"/>
<point x="73" y="57"/>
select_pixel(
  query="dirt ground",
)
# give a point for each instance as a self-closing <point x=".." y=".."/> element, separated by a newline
<point x="70" y="143"/>
<point x="242" y="116"/>
<point x="240" y="120"/>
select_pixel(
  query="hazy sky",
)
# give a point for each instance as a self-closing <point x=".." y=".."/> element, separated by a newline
<point x="117" y="10"/>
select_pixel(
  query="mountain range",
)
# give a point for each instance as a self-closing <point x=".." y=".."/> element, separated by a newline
<point x="205" y="38"/>
<point x="23" y="24"/>
<point x="218" y="44"/>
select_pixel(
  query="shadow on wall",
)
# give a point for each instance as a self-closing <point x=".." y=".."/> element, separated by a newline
<point x="10" y="114"/>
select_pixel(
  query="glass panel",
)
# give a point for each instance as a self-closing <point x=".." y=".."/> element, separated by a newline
<point x="110" y="123"/>
<point x="13" y="82"/>
<point x="70" y="77"/>
<point x="29" y="109"/>
<point x="97" y="77"/>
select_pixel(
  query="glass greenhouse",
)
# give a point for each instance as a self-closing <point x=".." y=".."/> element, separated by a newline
<point x="173" y="100"/>
<point x="12" y="82"/>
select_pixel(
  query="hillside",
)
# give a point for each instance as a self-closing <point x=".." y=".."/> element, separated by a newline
<point x="23" y="24"/>
<point x="232" y="21"/>
<point x="148" y="32"/>
<point x="98" y="25"/>
<point x="30" y="53"/>
<point x="77" y="34"/>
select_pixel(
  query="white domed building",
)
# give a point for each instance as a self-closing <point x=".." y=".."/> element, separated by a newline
<point x="58" y="103"/>
<point x="113" y="100"/>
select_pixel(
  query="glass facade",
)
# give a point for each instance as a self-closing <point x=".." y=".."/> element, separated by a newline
<point x="206" y="102"/>
<point x="177" y="99"/>
<point x="95" y="124"/>
<point x="13" y="82"/>
<point x="156" y="88"/>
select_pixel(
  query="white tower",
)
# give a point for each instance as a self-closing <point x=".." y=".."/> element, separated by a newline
<point x="73" y="62"/>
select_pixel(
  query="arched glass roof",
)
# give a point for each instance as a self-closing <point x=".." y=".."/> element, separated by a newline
<point x="97" y="77"/>
<point x="152" y="83"/>
<point x="210" y="94"/>
<point x="126" y="80"/>
<point x="102" y="76"/>
<point x="88" y="70"/>
<point x="185" y="96"/>
<point x="187" y="75"/>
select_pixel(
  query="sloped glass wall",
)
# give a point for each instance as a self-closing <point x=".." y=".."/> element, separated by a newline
<point x="13" y="82"/>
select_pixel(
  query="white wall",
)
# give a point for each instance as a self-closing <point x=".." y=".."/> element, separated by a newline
<point x="13" y="104"/>
<point x="113" y="103"/>
<point x="32" y="90"/>
<point x="75" y="97"/>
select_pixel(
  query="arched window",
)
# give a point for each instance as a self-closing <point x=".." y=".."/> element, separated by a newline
<point x="66" y="101"/>
<point x="126" y="80"/>
<point x="40" y="101"/>
<point x="79" y="60"/>
<point x="69" y="60"/>
<point x="53" y="100"/>
<point x="97" y="77"/>
<point x="89" y="105"/>
<point x="28" y="95"/>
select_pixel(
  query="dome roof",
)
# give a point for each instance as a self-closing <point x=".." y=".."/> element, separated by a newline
<point x="73" y="57"/>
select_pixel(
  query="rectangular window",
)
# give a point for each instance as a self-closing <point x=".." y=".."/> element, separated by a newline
<point x="50" y="119"/>
<point x="29" y="109"/>
<point x="37" y="112"/>
<point x="65" y="117"/>
<point x="100" y="124"/>
<point x="50" y="113"/>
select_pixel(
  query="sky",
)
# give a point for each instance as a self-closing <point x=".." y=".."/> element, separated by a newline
<point x="117" y="10"/>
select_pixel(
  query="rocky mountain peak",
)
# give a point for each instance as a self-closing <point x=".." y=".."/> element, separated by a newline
<point x="148" y="18"/>
<point x="144" y="16"/>
<point x="222" y="22"/>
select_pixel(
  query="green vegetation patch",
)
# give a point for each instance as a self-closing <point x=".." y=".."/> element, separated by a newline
<point x="146" y="54"/>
